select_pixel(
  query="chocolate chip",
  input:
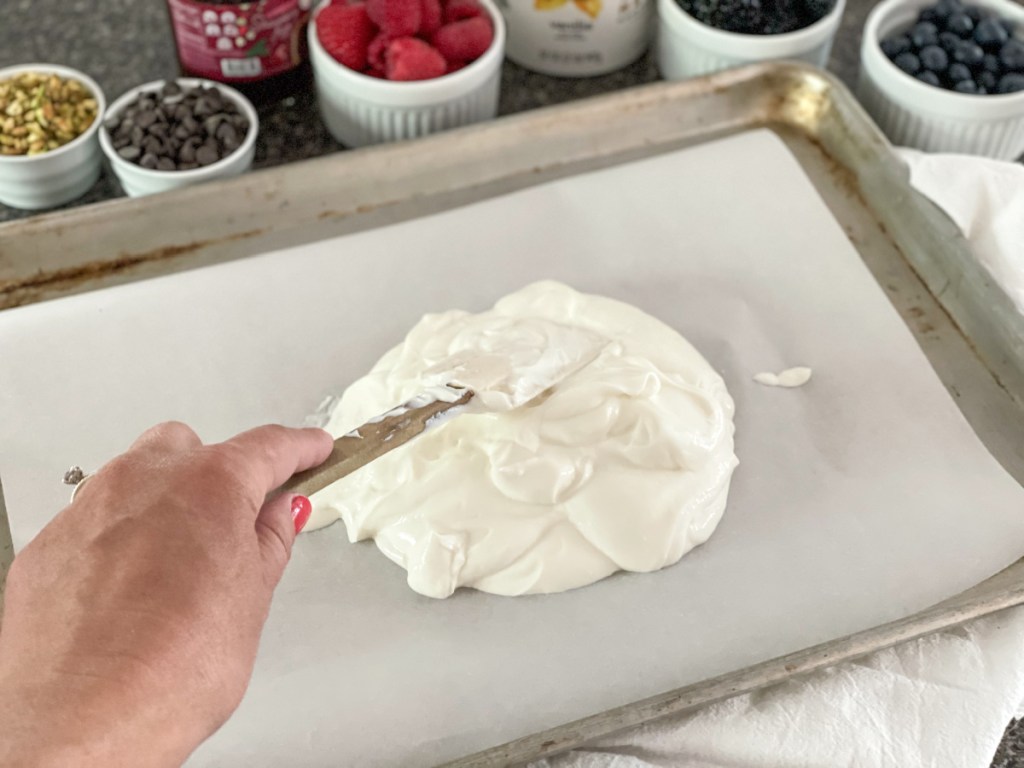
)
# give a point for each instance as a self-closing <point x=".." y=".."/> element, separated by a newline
<point x="207" y="155"/>
<point x="178" y="128"/>
<point x="153" y="144"/>
<point x="226" y="132"/>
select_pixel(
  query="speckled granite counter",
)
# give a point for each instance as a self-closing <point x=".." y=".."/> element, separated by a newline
<point x="122" y="43"/>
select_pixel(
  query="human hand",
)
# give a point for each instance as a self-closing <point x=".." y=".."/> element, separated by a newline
<point x="132" y="620"/>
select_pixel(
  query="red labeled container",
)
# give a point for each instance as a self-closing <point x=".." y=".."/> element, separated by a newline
<point x="258" y="47"/>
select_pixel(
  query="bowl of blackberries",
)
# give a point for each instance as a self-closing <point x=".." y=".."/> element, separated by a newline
<point x="177" y="133"/>
<point x="697" y="37"/>
<point x="947" y="76"/>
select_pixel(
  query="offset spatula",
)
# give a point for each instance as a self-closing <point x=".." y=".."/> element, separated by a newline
<point x="510" y="371"/>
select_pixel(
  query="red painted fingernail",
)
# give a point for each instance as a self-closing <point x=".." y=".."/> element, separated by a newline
<point x="301" y="510"/>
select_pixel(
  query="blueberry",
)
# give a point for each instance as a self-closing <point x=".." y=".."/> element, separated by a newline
<point x="931" y="78"/>
<point x="908" y="62"/>
<point x="960" y="24"/>
<point x="966" y="86"/>
<point x="958" y="72"/>
<point x="974" y="13"/>
<point x="934" y="58"/>
<point x="1011" y="83"/>
<point x="947" y="7"/>
<point x="930" y="15"/>
<point x="987" y="81"/>
<point x="949" y="41"/>
<point x="1011" y="56"/>
<point x="990" y="35"/>
<point x="924" y="34"/>
<point x="991" y="64"/>
<point x="895" y="45"/>
<point x="969" y="54"/>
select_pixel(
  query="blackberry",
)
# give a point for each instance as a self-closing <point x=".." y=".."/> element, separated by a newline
<point x="746" y="17"/>
<point x="817" y="9"/>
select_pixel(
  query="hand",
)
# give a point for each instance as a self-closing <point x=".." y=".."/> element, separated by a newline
<point x="132" y="620"/>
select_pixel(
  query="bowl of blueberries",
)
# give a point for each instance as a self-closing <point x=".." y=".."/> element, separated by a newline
<point x="175" y="133"/>
<point x="698" y="37"/>
<point x="947" y="76"/>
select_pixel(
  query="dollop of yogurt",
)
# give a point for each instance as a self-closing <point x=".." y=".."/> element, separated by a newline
<point x="623" y="465"/>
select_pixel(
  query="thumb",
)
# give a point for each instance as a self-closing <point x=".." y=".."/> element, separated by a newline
<point x="280" y="519"/>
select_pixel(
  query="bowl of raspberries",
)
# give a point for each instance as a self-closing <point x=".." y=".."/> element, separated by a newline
<point x="697" y="37"/>
<point x="389" y="70"/>
<point x="947" y="76"/>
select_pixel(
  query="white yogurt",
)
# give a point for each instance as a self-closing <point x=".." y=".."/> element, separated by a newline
<point x="791" y="377"/>
<point x="624" y="465"/>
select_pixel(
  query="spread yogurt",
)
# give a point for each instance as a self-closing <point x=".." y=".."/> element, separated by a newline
<point x="623" y="465"/>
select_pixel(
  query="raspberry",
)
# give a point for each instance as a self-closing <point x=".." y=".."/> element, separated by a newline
<point x="345" y="32"/>
<point x="409" y="58"/>
<point x="457" y="10"/>
<point x="464" y="40"/>
<point x="375" y="54"/>
<point x="397" y="18"/>
<point x="431" y="20"/>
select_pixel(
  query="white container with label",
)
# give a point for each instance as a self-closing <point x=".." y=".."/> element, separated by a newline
<point x="577" y="38"/>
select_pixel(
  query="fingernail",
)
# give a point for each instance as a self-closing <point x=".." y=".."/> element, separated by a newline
<point x="301" y="510"/>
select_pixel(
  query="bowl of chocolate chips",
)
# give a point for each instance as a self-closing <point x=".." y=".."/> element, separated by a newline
<point x="176" y="133"/>
<point x="697" y="37"/>
<point x="946" y="76"/>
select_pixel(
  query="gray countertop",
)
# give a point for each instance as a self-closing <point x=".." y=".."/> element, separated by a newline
<point x="122" y="43"/>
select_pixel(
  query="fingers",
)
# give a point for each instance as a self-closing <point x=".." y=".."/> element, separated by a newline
<point x="272" y="454"/>
<point x="277" y="524"/>
<point x="171" y="437"/>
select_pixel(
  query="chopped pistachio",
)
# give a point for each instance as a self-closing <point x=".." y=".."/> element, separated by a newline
<point x="41" y="112"/>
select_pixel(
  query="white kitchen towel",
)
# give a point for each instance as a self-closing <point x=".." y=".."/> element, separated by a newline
<point x="986" y="200"/>
<point x="939" y="702"/>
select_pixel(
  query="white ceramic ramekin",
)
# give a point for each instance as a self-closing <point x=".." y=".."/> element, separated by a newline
<point x="915" y="114"/>
<point x="59" y="176"/>
<point x="688" y="48"/>
<point x="360" y="110"/>
<point x="138" y="181"/>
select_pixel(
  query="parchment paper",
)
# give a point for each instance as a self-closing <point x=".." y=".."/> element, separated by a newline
<point x="859" y="499"/>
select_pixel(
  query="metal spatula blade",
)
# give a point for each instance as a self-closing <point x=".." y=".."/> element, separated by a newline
<point x="506" y="373"/>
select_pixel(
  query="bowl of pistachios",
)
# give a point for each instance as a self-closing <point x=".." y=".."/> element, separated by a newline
<point x="49" y="120"/>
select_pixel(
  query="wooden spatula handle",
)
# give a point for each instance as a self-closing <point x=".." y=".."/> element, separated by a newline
<point x="370" y="441"/>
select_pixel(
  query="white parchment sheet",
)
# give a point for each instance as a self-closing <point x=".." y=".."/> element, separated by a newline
<point x="859" y="498"/>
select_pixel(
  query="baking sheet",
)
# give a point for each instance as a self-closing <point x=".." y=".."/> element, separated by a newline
<point x="860" y="498"/>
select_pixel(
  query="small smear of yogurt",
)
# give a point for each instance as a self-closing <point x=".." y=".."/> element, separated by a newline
<point x="791" y="377"/>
